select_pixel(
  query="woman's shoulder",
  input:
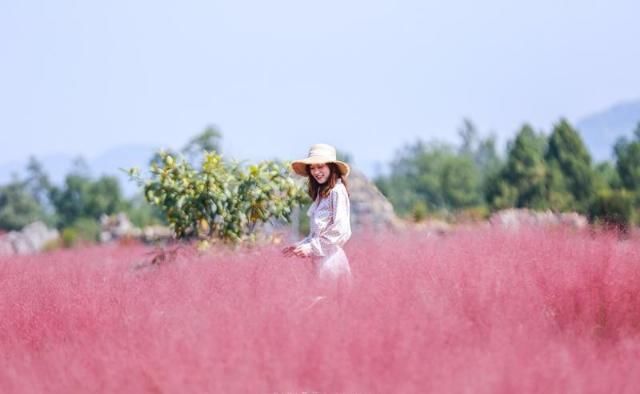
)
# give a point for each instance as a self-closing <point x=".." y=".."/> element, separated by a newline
<point x="339" y="188"/>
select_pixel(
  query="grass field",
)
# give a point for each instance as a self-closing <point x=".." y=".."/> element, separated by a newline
<point x="476" y="311"/>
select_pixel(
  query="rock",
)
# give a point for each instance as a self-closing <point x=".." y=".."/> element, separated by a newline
<point x="38" y="235"/>
<point x="31" y="239"/>
<point x="156" y="233"/>
<point x="105" y="237"/>
<point x="21" y="244"/>
<point x="115" y="227"/>
<point x="118" y="226"/>
<point x="574" y="220"/>
<point x="6" y="247"/>
<point x="370" y="209"/>
<point x="433" y="226"/>
<point x="515" y="218"/>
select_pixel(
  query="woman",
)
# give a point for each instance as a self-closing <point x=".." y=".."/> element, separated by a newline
<point x="329" y="214"/>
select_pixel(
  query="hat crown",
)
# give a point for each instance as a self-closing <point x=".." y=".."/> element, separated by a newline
<point x="319" y="154"/>
<point x="323" y="150"/>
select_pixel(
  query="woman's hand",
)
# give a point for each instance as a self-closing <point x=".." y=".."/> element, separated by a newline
<point x="288" y="251"/>
<point x="303" y="250"/>
<point x="297" y="250"/>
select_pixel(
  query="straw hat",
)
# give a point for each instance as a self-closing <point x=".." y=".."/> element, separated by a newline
<point x="319" y="154"/>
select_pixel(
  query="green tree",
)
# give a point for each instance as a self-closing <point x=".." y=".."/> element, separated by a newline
<point x="606" y="177"/>
<point x="157" y="161"/>
<point x="460" y="182"/>
<point x="469" y="138"/>
<point x="18" y="207"/>
<point x="207" y="141"/>
<point x="570" y="184"/>
<point x="142" y="213"/>
<point x="484" y="154"/>
<point x="434" y="175"/>
<point x="482" y="150"/>
<point x="82" y="197"/>
<point x="70" y="199"/>
<point x="521" y="182"/>
<point x="105" y="197"/>
<point x="627" y="155"/>
<point x="38" y="182"/>
<point x="220" y="200"/>
<point x="613" y="208"/>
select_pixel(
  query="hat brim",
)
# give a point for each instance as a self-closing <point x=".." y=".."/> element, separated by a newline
<point x="300" y="166"/>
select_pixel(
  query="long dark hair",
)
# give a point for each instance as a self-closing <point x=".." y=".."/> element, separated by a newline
<point x="316" y="189"/>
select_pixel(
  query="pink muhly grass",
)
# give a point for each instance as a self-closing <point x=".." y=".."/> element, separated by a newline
<point x="479" y="310"/>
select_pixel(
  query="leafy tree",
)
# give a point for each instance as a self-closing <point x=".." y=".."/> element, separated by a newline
<point x="613" y="208"/>
<point x="468" y="134"/>
<point x="559" y="196"/>
<point x="142" y="213"/>
<point x="483" y="151"/>
<point x="105" y="197"/>
<point x="628" y="161"/>
<point x="606" y="177"/>
<point x="521" y="182"/>
<point x="207" y="141"/>
<point x="70" y="199"/>
<point x="82" y="197"/>
<point x="157" y="158"/>
<point x="18" y="207"/>
<point x="460" y="182"/>
<point x="570" y="173"/>
<point x="434" y="175"/>
<point x="38" y="182"/>
<point x="220" y="200"/>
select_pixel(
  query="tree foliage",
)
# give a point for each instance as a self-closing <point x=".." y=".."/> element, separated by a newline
<point x="82" y="197"/>
<point x="628" y="161"/>
<point x="437" y="177"/>
<point x="220" y="200"/>
<point x="571" y="177"/>
<point x="18" y="207"/>
<point x="207" y="141"/>
<point x="521" y="182"/>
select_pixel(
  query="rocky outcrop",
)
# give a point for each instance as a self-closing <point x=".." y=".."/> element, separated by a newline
<point x="370" y="209"/>
<point x="31" y="239"/>
<point x="119" y="226"/>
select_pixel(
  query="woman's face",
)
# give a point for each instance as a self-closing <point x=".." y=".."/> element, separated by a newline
<point x="320" y="172"/>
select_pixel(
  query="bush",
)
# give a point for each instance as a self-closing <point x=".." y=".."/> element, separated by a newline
<point x="142" y="213"/>
<point x="613" y="208"/>
<point x="83" y="230"/>
<point x="472" y="214"/>
<point x="419" y="211"/>
<point x="69" y="237"/>
<point x="221" y="200"/>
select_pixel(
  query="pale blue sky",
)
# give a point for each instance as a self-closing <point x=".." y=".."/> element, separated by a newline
<point x="80" y="77"/>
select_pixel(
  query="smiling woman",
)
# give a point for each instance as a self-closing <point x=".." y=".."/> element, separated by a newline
<point x="329" y="214"/>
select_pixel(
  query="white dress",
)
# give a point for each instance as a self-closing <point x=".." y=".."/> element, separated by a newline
<point x="330" y="228"/>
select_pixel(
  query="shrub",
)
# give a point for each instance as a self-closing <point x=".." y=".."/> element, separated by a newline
<point x="221" y="200"/>
<point x="69" y="237"/>
<point x="83" y="230"/>
<point x="613" y="208"/>
<point x="419" y="211"/>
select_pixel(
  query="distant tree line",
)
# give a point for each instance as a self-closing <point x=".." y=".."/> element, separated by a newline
<point x="542" y="172"/>
<point x="464" y="181"/>
<point x="75" y="206"/>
